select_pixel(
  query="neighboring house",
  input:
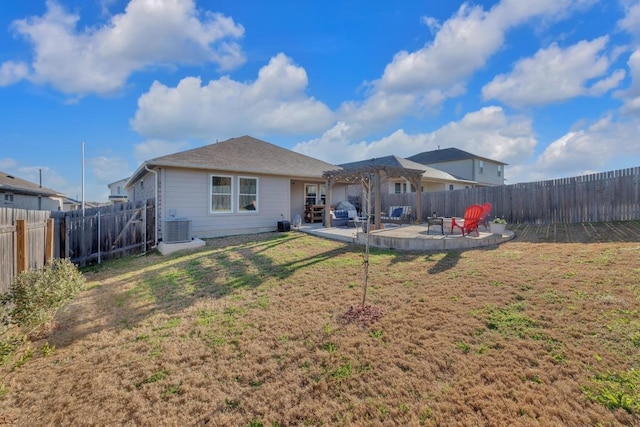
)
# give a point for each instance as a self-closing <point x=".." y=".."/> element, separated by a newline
<point x="70" y="204"/>
<point x="432" y="179"/>
<point x="21" y="194"/>
<point x="464" y="165"/>
<point x="118" y="194"/>
<point x="238" y="186"/>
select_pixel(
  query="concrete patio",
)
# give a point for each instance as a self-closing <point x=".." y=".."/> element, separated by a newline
<point x="409" y="237"/>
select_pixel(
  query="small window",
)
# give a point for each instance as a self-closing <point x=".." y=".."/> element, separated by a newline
<point x="397" y="188"/>
<point x="481" y="164"/>
<point x="248" y="194"/>
<point x="499" y="170"/>
<point x="450" y="186"/>
<point x="8" y="198"/>
<point x="221" y="192"/>
<point x="142" y="184"/>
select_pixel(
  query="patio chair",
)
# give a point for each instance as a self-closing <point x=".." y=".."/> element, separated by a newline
<point x="470" y="221"/>
<point x="486" y="210"/>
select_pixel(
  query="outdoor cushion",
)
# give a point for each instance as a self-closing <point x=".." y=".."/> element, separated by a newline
<point x="341" y="214"/>
<point x="352" y="214"/>
<point x="397" y="213"/>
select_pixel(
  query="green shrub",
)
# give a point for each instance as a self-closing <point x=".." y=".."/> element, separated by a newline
<point x="36" y="296"/>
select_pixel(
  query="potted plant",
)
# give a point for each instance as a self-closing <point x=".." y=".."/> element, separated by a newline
<point x="498" y="225"/>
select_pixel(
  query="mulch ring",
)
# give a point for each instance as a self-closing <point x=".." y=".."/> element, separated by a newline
<point x="363" y="316"/>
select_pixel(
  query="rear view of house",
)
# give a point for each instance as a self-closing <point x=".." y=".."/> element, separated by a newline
<point x="238" y="186"/>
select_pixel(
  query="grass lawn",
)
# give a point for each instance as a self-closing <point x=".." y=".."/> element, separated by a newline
<point x="249" y="331"/>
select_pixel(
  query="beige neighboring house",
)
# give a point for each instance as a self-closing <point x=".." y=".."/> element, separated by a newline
<point x="238" y="186"/>
<point x="21" y="194"/>
<point x="464" y="165"/>
<point x="117" y="191"/>
<point x="432" y="179"/>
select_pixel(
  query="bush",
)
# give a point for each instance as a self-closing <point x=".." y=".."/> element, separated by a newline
<point x="36" y="296"/>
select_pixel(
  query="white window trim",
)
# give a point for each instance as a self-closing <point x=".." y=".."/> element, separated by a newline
<point x="211" y="211"/>
<point x="319" y="188"/>
<point x="8" y="198"/>
<point x="257" y="193"/>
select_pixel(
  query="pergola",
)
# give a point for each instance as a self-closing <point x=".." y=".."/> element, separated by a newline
<point x="370" y="178"/>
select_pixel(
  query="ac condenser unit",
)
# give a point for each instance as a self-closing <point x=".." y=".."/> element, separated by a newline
<point x="177" y="230"/>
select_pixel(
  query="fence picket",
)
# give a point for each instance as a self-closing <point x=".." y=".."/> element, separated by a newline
<point x="601" y="197"/>
<point x="74" y="236"/>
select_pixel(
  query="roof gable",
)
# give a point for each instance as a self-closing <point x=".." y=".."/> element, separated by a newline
<point x="446" y="155"/>
<point x="13" y="184"/>
<point x="246" y="154"/>
<point x="399" y="162"/>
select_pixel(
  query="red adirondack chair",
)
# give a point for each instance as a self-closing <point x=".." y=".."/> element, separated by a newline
<point x="471" y="220"/>
<point x="486" y="210"/>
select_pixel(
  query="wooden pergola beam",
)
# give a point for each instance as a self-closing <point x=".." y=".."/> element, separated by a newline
<point x="373" y="175"/>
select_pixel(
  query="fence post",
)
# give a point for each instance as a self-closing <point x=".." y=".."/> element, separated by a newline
<point x="99" y="254"/>
<point x="21" y="245"/>
<point x="48" y="252"/>
<point x="67" y="234"/>
<point x="144" y="230"/>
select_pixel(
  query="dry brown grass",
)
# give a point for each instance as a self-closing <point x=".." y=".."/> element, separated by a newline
<point x="248" y="332"/>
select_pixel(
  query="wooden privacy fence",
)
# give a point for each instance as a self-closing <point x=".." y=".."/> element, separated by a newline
<point x="106" y="232"/>
<point x="601" y="197"/>
<point x="26" y="242"/>
<point x="28" y="239"/>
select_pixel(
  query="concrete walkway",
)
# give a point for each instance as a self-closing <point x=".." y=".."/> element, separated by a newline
<point x="409" y="237"/>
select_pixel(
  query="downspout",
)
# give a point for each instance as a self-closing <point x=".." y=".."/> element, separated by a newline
<point x="155" y="217"/>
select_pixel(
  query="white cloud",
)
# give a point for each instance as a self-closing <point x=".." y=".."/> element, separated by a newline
<point x="100" y="59"/>
<point x="555" y="74"/>
<point x="153" y="148"/>
<point x="462" y="45"/>
<point x="631" y="20"/>
<point x="488" y="132"/>
<point x="7" y="164"/>
<point x="425" y="78"/>
<point x="275" y="103"/>
<point x="108" y="169"/>
<point x="590" y="148"/>
<point x="12" y="72"/>
<point x="631" y="96"/>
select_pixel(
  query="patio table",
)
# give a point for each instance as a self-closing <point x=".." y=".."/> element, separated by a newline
<point x="436" y="221"/>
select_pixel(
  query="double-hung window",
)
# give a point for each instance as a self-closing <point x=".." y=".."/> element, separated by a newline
<point x="315" y="194"/>
<point x="247" y="194"/>
<point x="221" y="194"/>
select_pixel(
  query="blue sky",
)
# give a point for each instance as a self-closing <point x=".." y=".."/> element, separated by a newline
<point x="551" y="87"/>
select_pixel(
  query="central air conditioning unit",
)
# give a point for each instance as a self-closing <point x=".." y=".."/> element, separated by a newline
<point x="177" y="230"/>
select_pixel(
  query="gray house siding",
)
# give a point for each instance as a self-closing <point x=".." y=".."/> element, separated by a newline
<point x="187" y="194"/>
<point x="24" y="201"/>
<point x="470" y="169"/>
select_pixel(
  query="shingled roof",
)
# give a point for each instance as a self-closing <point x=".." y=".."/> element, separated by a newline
<point x="12" y="184"/>
<point x="395" y="161"/>
<point x="243" y="154"/>
<point x="446" y="155"/>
